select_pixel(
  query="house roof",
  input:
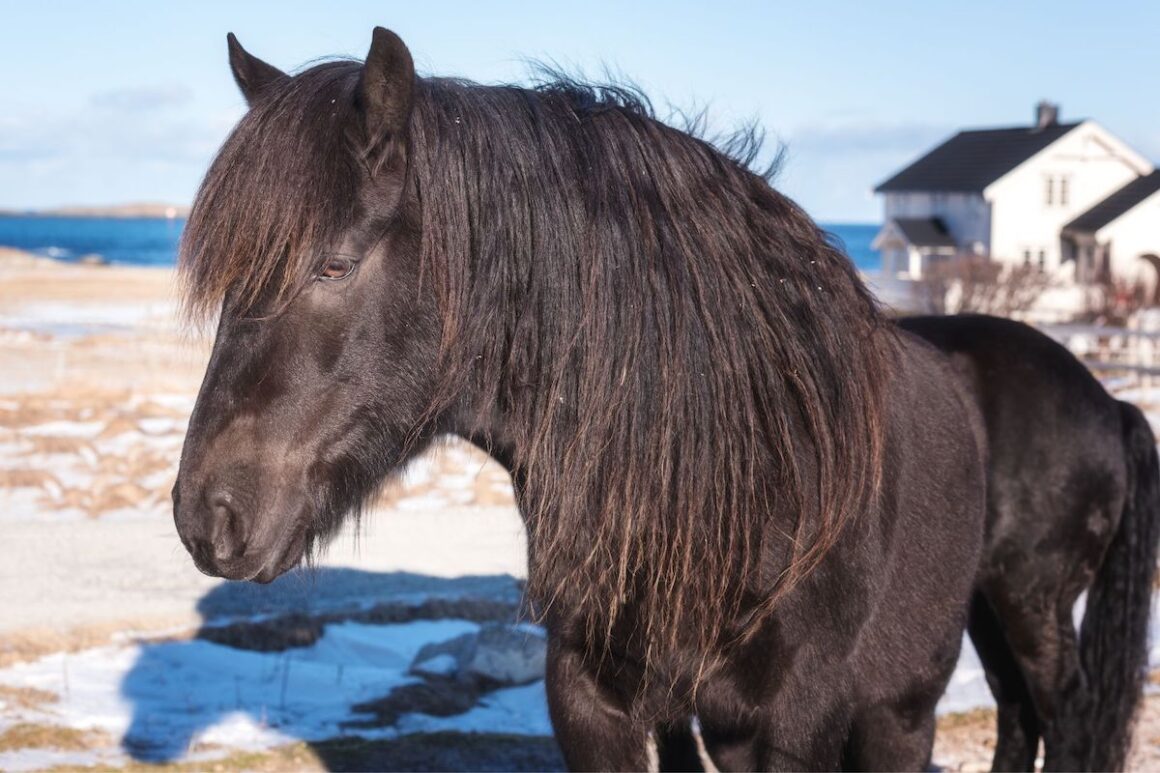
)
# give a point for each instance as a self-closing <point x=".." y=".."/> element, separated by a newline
<point x="972" y="160"/>
<point x="924" y="231"/>
<point x="1117" y="204"/>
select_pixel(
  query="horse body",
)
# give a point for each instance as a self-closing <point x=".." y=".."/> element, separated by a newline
<point x="1073" y="505"/>
<point x="747" y="497"/>
<point x="856" y="618"/>
<point x="847" y="673"/>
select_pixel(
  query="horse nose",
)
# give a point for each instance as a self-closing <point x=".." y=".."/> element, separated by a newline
<point x="226" y="532"/>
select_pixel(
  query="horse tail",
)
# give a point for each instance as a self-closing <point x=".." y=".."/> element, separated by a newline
<point x="1114" y="635"/>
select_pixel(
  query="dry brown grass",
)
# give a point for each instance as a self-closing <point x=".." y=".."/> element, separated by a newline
<point x="107" y="379"/>
<point x="53" y="444"/>
<point x="459" y="472"/>
<point x="488" y="484"/>
<point x="27" y="478"/>
<point x="31" y="643"/>
<point x="422" y="751"/>
<point x="25" y="697"/>
<point x="110" y="480"/>
<point x="296" y="757"/>
<point x="29" y="735"/>
<point x="966" y="741"/>
<point x="975" y="719"/>
<point x="28" y="276"/>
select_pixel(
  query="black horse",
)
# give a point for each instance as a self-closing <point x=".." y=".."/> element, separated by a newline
<point x="1073" y="504"/>
<point x="748" y="497"/>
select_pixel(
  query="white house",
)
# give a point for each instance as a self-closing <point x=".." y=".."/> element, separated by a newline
<point x="1116" y="235"/>
<point x="1069" y="198"/>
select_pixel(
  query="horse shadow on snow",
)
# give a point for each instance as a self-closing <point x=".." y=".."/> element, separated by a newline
<point x="371" y="670"/>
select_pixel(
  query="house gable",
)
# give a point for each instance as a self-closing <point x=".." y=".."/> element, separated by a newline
<point x="909" y="244"/>
<point x="1095" y="145"/>
<point x="1116" y="205"/>
<point x="1121" y="233"/>
<point x="1031" y="204"/>
<point x="971" y="160"/>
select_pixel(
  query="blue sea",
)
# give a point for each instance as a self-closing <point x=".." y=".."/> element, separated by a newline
<point x="122" y="241"/>
<point x="153" y="241"/>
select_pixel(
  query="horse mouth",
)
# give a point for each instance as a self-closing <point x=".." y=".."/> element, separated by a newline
<point x="284" y="560"/>
<point x="261" y="568"/>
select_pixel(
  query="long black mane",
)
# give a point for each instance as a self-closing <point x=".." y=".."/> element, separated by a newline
<point x="674" y="349"/>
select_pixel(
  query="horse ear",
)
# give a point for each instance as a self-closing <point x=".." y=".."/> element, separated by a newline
<point x="252" y="75"/>
<point x="387" y="85"/>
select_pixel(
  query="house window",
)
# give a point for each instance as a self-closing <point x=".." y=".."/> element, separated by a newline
<point x="1042" y="260"/>
<point x="1026" y="257"/>
<point x="1050" y="198"/>
<point x="1063" y="191"/>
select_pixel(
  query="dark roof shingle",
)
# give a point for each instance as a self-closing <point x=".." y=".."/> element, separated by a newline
<point x="925" y="231"/>
<point x="1117" y="204"/>
<point x="972" y="160"/>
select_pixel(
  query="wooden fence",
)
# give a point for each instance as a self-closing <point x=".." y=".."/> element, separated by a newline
<point x="1112" y="351"/>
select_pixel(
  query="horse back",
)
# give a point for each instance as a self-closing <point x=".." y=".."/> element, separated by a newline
<point x="1054" y="434"/>
<point x="890" y="598"/>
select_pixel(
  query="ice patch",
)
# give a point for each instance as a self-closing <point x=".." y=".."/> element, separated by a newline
<point x="160" y="426"/>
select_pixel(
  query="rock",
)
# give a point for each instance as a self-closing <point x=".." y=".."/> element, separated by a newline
<point x="432" y="657"/>
<point x="508" y="655"/>
<point x="438" y="665"/>
<point x="497" y="656"/>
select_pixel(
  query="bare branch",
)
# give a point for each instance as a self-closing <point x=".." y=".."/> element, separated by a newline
<point x="975" y="283"/>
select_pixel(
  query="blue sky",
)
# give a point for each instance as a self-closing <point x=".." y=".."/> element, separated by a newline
<point x="127" y="101"/>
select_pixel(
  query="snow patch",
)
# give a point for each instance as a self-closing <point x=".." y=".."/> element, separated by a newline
<point x="83" y="429"/>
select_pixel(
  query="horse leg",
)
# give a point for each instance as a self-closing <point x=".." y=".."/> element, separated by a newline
<point x="1043" y="642"/>
<point x="730" y="747"/>
<point x="1061" y="696"/>
<point x="677" y="747"/>
<point x="594" y="729"/>
<point x="1018" y="722"/>
<point x="800" y="728"/>
<point x="892" y="737"/>
<point x="894" y="730"/>
<point x="777" y="738"/>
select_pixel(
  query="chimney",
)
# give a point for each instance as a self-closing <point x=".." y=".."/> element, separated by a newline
<point x="1046" y="114"/>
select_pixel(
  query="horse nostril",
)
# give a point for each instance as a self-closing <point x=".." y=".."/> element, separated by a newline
<point x="227" y="531"/>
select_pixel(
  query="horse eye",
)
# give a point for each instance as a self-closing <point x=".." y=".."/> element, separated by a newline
<point x="337" y="267"/>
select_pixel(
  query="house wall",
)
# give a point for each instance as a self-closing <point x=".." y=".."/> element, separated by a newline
<point x="896" y="260"/>
<point x="967" y="215"/>
<point x="1132" y="234"/>
<point x="1095" y="165"/>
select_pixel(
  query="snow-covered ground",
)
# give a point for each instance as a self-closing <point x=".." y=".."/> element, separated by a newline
<point x="177" y="699"/>
<point x="190" y="700"/>
<point x="102" y="605"/>
<point x="180" y="699"/>
<point x="72" y="319"/>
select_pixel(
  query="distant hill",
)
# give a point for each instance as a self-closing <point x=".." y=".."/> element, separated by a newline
<point x="136" y="209"/>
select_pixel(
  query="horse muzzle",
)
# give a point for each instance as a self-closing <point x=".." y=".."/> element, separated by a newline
<point x="229" y="537"/>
